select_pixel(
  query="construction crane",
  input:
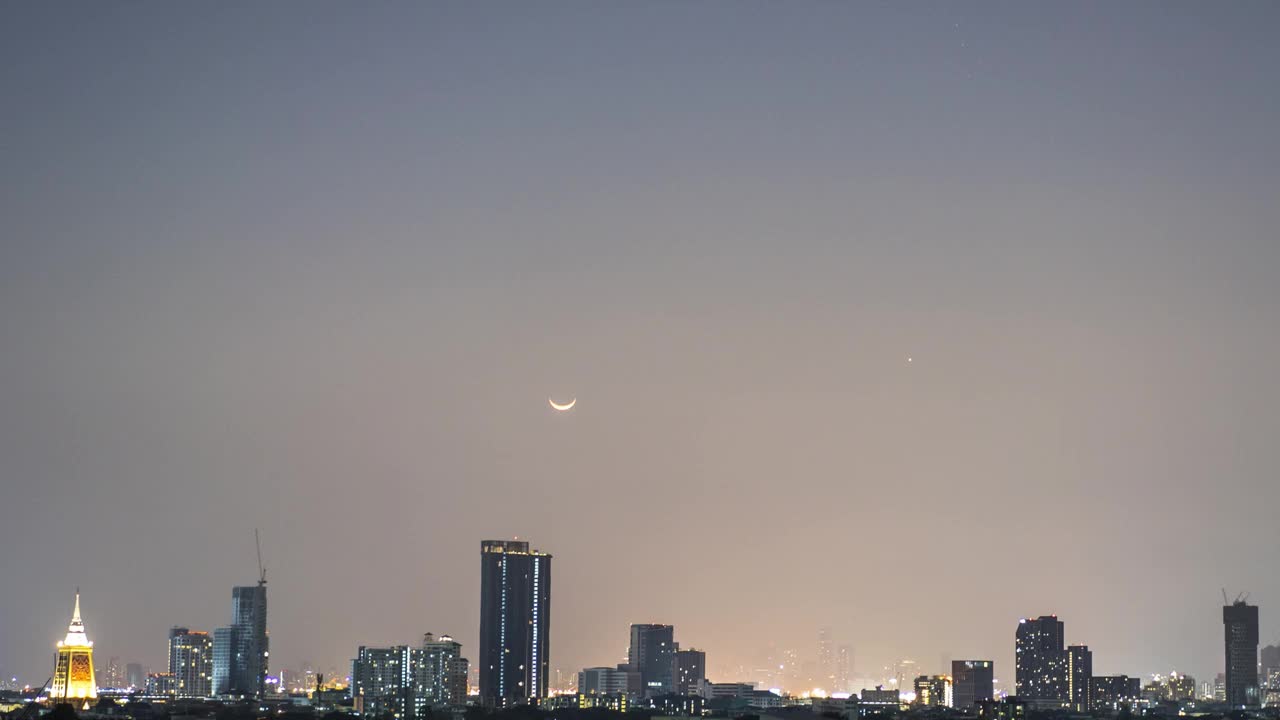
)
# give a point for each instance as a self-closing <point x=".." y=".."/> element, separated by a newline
<point x="32" y="709"/>
<point x="262" y="571"/>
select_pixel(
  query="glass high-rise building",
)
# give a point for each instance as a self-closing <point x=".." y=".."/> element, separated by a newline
<point x="241" y="651"/>
<point x="652" y="653"/>
<point x="515" y="623"/>
<point x="1041" y="663"/>
<point x="972" y="681"/>
<point x="1240" y="630"/>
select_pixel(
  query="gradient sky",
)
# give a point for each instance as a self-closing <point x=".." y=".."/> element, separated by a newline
<point x="315" y="268"/>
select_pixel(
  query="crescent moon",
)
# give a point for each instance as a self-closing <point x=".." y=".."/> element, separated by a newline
<point x="567" y="406"/>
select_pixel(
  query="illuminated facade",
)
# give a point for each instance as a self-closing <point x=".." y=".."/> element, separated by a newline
<point x="1079" y="671"/>
<point x="1041" y="663"/>
<point x="73" y="673"/>
<point x="515" y="623"/>
<point x="934" y="691"/>
<point x="191" y="663"/>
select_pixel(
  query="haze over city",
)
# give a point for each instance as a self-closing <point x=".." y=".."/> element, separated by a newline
<point x="904" y="320"/>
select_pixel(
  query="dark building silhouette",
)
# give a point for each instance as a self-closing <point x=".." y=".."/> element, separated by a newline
<point x="1041" y="663"/>
<point x="652" y="653"/>
<point x="972" y="681"/>
<point x="515" y="622"/>
<point x="1079" y="670"/>
<point x="1113" y="692"/>
<point x="1240" y="630"/>
<point x="691" y="671"/>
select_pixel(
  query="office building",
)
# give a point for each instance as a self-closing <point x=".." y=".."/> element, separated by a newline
<point x="1079" y="670"/>
<point x="515" y="623"/>
<point x="73" y="677"/>
<point x="652" y="653"/>
<point x="971" y="681"/>
<point x="1041" y="663"/>
<point x="1109" y="693"/>
<point x="603" y="681"/>
<point x="934" y="691"/>
<point x="134" y="676"/>
<point x="691" y="671"/>
<point x="1240" y="630"/>
<point x="190" y="663"/>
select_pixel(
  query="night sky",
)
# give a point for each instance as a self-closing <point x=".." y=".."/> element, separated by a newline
<point x="315" y="268"/>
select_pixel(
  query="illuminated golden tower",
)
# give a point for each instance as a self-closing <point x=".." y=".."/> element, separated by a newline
<point x="73" y="676"/>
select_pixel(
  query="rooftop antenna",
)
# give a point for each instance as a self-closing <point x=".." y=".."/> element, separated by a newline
<point x="1224" y="594"/>
<point x="262" y="571"/>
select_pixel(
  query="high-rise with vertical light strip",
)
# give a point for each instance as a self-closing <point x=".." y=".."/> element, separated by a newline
<point x="515" y="621"/>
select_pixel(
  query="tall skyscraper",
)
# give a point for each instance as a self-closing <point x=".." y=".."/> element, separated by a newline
<point x="1041" y="663"/>
<point x="241" y="650"/>
<point x="1240" y="628"/>
<point x="691" y="671"/>
<point x="515" y="622"/>
<point x="844" y="669"/>
<point x="652" y="653"/>
<point x="972" y="680"/>
<point x="73" y="674"/>
<point x="191" y="662"/>
<point x="1079" y="670"/>
<point x="826" y="660"/>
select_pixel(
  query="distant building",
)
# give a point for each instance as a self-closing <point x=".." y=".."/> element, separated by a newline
<point x="879" y="699"/>
<point x="972" y="680"/>
<point x="1114" y="692"/>
<point x="160" y="684"/>
<point x="1270" y="662"/>
<point x="191" y="663"/>
<point x="1269" y="679"/>
<point x="844" y="669"/>
<point x="934" y="691"/>
<point x="515" y="623"/>
<point x="691" y="671"/>
<point x="1240" y="629"/>
<point x="653" y="654"/>
<point x="1171" y="688"/>
<point x="1010" y="708"/>
<point x="1079" y="670"/>
<point x="716" y="691"/>
<point x="1041" y="663"/>
<point x="134" y="676"/>
<point x="603" y="681"/>
<point x="73" y="677"/>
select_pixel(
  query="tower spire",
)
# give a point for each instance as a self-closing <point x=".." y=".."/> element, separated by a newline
<point x="75" y="616"/>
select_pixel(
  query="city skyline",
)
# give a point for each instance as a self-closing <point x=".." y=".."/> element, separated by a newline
<point x="835" y="291"/>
